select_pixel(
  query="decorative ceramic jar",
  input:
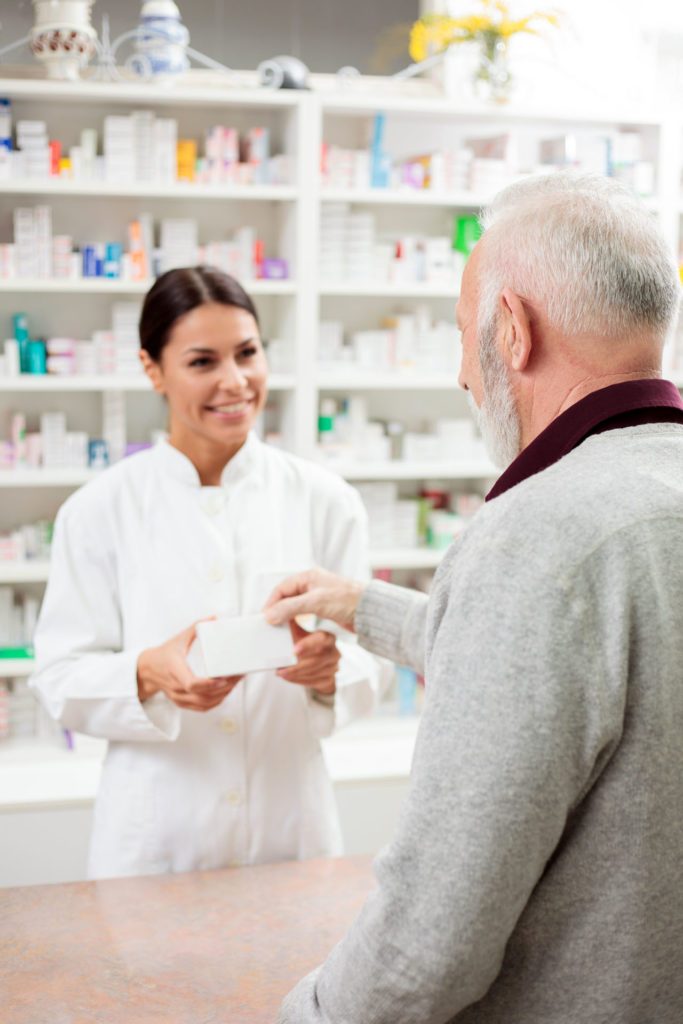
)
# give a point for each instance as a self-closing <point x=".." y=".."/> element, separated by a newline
<point x="162" y="39"/>
<point x="62" y="37"/>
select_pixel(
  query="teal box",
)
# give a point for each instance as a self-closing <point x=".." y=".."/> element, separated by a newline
<point x="36" y="357"/>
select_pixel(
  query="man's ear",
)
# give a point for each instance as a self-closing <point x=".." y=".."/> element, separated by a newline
<point x="153" y="371"/>
<point x="517" y="335"/>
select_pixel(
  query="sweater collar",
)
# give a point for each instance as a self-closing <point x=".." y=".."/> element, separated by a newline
<point x="628" y="404"/>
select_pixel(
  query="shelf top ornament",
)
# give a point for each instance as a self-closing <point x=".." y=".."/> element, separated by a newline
<point x="62" y="37"/>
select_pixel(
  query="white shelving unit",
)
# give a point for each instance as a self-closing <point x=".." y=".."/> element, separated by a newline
<point x="405" y="197"/>
<point x="405" y="558"/>
<point x="23" y="572"/>
<point x="391" y="290"/>
<point x="387" y="382"/>
<point x="291" y="309"/>
<point x="103" y="286"/>
<point x="37" y="383"/>
<point x="400" y="470"/>
<point x="14" y="668"/>
<point x="142" y="190"/>
<point x="46" y="477"/>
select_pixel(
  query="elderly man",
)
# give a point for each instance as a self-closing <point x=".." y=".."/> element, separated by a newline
<point x="536" y="875"/>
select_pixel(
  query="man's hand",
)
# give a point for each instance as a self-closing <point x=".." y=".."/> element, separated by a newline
<point x="315" y="592"/>
<point x="317" y="661"/>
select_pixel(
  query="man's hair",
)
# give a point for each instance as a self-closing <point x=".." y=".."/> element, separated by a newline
<point x="586" y="250"/>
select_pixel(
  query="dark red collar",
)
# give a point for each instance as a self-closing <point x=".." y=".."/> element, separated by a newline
<point x="620" y="405"/>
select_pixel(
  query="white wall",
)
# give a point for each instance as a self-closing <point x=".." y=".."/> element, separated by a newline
<point x="325" y="34"/>
<point x="606" y="50"/>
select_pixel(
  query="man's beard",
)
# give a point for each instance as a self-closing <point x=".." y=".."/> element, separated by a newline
<point x="497" y="418"/>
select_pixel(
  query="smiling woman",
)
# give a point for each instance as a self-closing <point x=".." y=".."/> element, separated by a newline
<point x="201" y="348"/>
<point x="201" y="772"/>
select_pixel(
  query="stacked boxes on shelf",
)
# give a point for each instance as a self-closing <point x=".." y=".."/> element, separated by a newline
<point x="35" y="253"/>
<point x="351" y="250"/>
<point x="18" y="617"/>
<point x="32" y="249"/>
<point x="21" y="716"/>
<point x="433" y="519"/>
<point x="345" y="433"/>
<point x="141" y="148"/>
<point x="485" y="164"/>
<point x="31" y="542"/>
<point x="112" y="352"/>
<point x="53" y="446"/>
<point x="405" y="343"/>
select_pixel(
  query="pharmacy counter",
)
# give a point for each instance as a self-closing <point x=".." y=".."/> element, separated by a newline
<point x="182" y="949"/>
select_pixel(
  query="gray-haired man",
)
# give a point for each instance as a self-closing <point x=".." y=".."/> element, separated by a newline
<point x="536" y="875"/>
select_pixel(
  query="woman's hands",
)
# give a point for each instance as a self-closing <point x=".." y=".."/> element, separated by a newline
<point x="316" y="592"/>
<point x="317" y="661"/>
<point x="165" y="669"/>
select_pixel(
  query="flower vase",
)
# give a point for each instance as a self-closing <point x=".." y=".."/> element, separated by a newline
<point x="492" y="79"/>
<point x="455" y="72"/>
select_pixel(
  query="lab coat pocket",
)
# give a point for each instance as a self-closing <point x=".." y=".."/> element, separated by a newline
<point x="125" y="831"/>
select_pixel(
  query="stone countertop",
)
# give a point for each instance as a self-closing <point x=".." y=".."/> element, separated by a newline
<point x="212" y="947"/>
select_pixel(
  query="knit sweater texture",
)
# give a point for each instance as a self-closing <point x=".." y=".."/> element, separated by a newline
<point x="536" y="876"/>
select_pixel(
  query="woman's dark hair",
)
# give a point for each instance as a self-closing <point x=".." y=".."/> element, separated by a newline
<point x="176" y="293"/>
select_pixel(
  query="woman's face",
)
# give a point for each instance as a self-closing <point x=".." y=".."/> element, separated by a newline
<point x="214" y="375"/>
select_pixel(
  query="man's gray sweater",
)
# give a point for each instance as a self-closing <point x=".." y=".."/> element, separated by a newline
<point x="536" y="876"/>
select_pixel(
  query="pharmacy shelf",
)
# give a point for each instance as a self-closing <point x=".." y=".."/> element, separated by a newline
<point x="380" y="558"/>
<point x="40" y="383"/>
<point x="472" y="470"/>
<point x="380" y="100"/>
<point x="46" y="477"/>
<point x="459" y="200"/>
<point x="144" y="190"/>
<point x="24" y="572"/>
<point x="187" y="92"/>
<point x="11" y="668"/>
<point x="349" y="381"/>
<point x="405" y="197"/>
<point x="113" y="286"/>
<point x="382" y="289"/>
<point x="405" y="558"/>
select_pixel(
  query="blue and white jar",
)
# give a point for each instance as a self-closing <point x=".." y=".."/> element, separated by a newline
<point x="162" y="39"/>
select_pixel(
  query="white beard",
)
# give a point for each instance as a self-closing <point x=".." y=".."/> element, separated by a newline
<point x="497" y="418"/>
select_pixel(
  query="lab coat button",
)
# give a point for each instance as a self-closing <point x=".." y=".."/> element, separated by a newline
<point x="234" y="797"/>
<point x="228" y="725"/>
<point x="216" y="574"/>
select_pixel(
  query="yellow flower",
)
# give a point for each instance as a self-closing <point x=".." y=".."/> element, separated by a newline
<point x="436" y="32"/>
<point x="418" y="41"/>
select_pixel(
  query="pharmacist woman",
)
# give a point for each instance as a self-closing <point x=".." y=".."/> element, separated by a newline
<point x="201" y="773"/>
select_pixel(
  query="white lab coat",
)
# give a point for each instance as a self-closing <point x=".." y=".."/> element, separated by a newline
<point x="140" y="554"/>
